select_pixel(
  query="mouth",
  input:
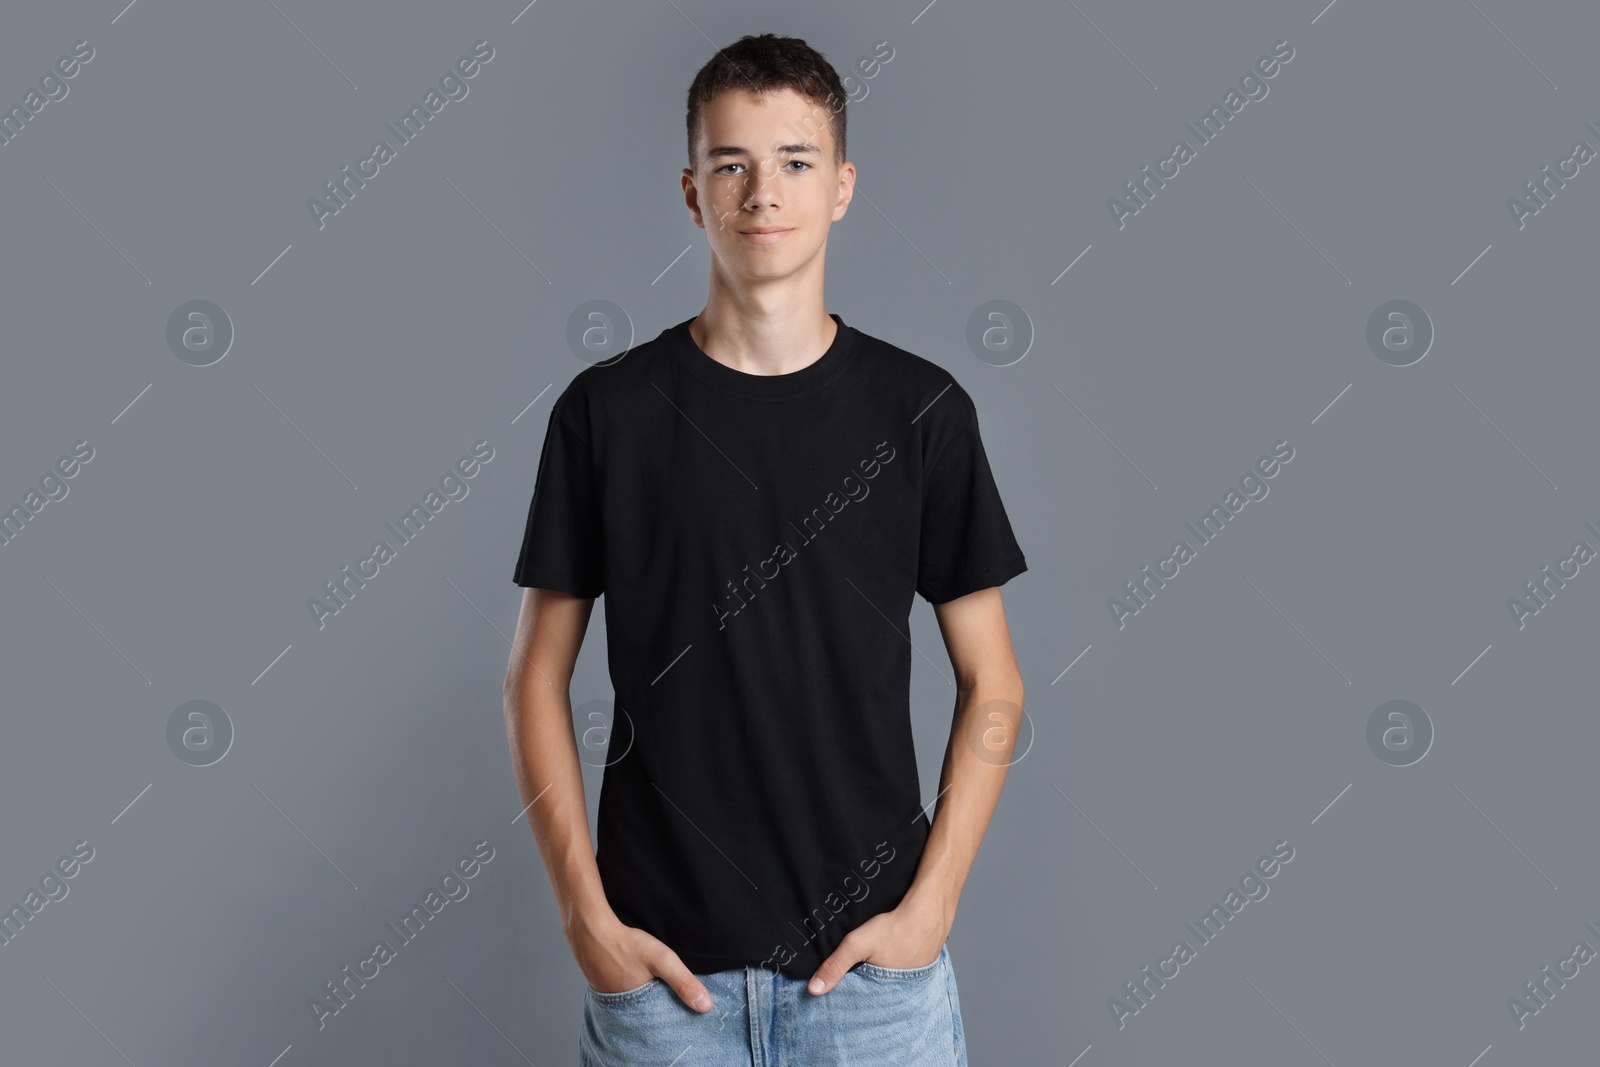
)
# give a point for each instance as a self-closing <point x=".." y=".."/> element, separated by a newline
<point x="763" y="235"/>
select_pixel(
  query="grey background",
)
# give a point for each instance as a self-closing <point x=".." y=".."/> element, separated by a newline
<point x="1225" y="317"/>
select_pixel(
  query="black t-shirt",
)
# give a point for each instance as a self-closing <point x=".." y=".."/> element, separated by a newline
<point x="759" y="540"/>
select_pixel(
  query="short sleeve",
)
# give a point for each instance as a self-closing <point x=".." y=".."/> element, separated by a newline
<point x="563" y="544"/>
<point x="966" y="543"/>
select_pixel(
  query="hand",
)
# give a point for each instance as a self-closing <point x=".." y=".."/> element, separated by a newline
<point x="615" y="957"/>
<point x="910" y="935"/>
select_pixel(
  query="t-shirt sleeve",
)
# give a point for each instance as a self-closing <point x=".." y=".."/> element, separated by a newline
<point x="967" y="543"/>
<point x="563" y="544"/>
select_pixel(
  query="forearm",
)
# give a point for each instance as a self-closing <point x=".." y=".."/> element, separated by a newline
<point x="983" y="735"/>
<point x="544" y="756"/>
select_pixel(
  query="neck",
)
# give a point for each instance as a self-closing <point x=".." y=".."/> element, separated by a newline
<point x="776" y="328"/>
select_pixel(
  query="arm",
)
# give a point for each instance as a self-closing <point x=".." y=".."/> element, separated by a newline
<point x="544" y="755"/>
<point x="988" y="714"/>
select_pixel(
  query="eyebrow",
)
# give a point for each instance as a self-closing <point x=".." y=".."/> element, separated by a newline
<point x="798" y="149"/>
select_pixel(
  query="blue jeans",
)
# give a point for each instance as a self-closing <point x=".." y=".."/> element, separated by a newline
<point x="874" y="1017"/>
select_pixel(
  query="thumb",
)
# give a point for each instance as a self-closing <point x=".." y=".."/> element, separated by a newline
<point x="834" y="967"/>
<point x="672" y="970"/>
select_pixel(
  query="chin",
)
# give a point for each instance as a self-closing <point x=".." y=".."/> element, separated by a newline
<point x="769" y="262"/>
<point x="765" y="272"/>
<point x="753" y="262"/>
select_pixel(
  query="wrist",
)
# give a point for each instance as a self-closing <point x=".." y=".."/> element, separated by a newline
<point x="587" y="915"/>
<point x="931" y="904"/>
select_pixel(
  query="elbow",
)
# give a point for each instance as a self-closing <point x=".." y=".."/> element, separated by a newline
<point x="515" y="693"/>
<point x="525" y="683"/>
<point x="993" y="684"/>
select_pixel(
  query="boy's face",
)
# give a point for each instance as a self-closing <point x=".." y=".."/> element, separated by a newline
<point x="766" y="163"/>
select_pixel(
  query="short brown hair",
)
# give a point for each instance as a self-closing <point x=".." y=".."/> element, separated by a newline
<point x="759" y="63"/>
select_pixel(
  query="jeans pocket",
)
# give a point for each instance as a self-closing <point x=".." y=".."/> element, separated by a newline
<point x="872" y="970"/>
<point x="625" y="996"/>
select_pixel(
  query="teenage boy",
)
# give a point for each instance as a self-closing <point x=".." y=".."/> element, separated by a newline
<point x="759" y="492"/>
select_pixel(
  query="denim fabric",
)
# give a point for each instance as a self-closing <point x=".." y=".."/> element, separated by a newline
<point x="874" y="1017"/>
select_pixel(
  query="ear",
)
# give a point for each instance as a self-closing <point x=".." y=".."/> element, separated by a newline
<point x="691" y="198"/>
<point x="847" y="189"/>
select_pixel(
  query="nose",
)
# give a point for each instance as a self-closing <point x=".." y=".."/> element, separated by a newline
<point x="762" y="186"/>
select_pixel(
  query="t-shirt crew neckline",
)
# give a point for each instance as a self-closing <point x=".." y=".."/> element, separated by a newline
<point x="798" y="383"/>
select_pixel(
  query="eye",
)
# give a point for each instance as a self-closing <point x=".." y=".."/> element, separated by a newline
<point x="726" y="168"/>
